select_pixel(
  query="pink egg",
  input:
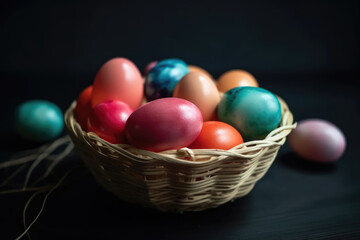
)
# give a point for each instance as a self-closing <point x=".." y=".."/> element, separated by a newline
<point x="108" y="120"/>
<point x="317" y="140"/>
<point x="163" y="124"/>
<point x="118" y="79"/>
<point x="149" y="67"/>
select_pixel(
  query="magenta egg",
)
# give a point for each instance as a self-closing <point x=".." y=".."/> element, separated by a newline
<point x="163" y="124"/>
<point x="317" y="140"/>
<point x="108" y="119"/>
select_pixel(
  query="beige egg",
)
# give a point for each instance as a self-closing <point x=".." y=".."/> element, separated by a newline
<point x="201" y="90"/>
<point x="193" y="68"/>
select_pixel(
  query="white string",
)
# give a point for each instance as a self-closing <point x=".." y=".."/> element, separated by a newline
<point x="42" y="205"/>
<point x="56" y="161"/>
<point x="13" y="175"/>
<point x="37" y="156"/>
<point x="43" y="155"/>
<point x="46" y="187"/>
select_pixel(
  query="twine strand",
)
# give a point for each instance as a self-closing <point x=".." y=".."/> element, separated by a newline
<point x="57" y="159"/>
<point x="57" y="185"/>
<point x="53" y="146"/>
<point x="37" y="156"/>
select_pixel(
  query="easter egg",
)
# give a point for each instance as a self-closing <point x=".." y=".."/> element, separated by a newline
<point x="201" y="90"/>
<point x="253" y="111"/>
<point x="317" y="140"/>
<point x="235" y="78"/>
<point x="39" y="120"/>
<point x="217" y="135"/>
<point x="148" y="67"/>
<point x="163" y="124"/>
<point x="193" y="68"/>
<point x="118" y="79"/>
<point x="108" y="119"/>
<point x="162" y="79"/>
<point x="83" y="107"/>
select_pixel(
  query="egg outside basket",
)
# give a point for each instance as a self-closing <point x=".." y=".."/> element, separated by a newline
<point x="178" y="180"/>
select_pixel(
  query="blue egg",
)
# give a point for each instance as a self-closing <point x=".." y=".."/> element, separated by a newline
<point x="253" y="111"/>
<point x="39" y="120"/>
<point x="162" y="79"/>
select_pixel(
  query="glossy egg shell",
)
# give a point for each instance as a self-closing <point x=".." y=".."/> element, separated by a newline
<point x="118" y="79"/>
<point x="317" y="140"/>
<point x="39" y="120"/>
<point x="253" y="111"/>
<point x="83" y="107"/>
<point x="193" y="68"/>
<point x="199" y="89"/>
<point x="108" y="119"/>
<point x="163" y="124"/>
<point x="149" y="66"/>
<point x="217" y="135"/>
<point x="162" y="79"/>
<point x="235" y="78"/>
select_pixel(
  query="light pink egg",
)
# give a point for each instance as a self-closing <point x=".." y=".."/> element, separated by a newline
<point x="118" y="79"/>
<point x="317" y="140"/>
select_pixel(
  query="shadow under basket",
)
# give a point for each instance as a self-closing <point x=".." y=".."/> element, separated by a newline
<point x="183" y="179"/>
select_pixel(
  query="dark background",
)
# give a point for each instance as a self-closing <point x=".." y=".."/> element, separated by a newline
<point x="305" y="51"/>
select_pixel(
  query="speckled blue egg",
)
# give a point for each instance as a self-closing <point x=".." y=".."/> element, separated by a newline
<point x="162" y="79"/>
<point x="253" y="111"/>
<point x="39" y="120"/>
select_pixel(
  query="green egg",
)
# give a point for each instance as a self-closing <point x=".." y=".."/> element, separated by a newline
<point x="253" y="111"/>
<point x="39" y="120"/>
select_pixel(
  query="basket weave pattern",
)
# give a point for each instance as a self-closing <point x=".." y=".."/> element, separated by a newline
<point x="178" y="180"/>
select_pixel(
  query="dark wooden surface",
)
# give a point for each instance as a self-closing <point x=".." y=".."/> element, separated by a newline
<point x="295" y="200"/>
<point x="306" y="53"/>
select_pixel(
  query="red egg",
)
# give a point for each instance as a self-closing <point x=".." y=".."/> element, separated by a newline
<point x="83" y="107"/>
<point x="108" y="120"/>
<point x="163" y="124"/>
<point x="118" y="79"/>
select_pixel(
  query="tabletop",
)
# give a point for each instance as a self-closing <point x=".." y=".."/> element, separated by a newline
<point x="296" y="199"/>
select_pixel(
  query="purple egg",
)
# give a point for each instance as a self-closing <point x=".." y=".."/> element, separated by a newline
<point x="317" y="140"/>
<point x="149" y="67"/>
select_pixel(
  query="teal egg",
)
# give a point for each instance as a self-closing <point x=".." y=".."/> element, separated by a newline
<point x="39" y="120"/>
<point x="162" y="79"/>
<point x="253" y="111"/>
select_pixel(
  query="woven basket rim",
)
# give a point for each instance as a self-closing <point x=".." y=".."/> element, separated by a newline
<point x="182" y="179"/>
<point x="246" y="150"/>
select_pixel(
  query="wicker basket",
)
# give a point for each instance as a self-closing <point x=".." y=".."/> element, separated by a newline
<point x="178" y="180"/>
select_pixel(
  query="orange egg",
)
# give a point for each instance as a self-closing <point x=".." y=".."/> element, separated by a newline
<point x="83" y="107"/>
<point x="193" y="68"/>
<point x="118" y="79"/>
<point x="217" y="135"/>
<point x="235" y="78"/>
<point x="201" y="90"/>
